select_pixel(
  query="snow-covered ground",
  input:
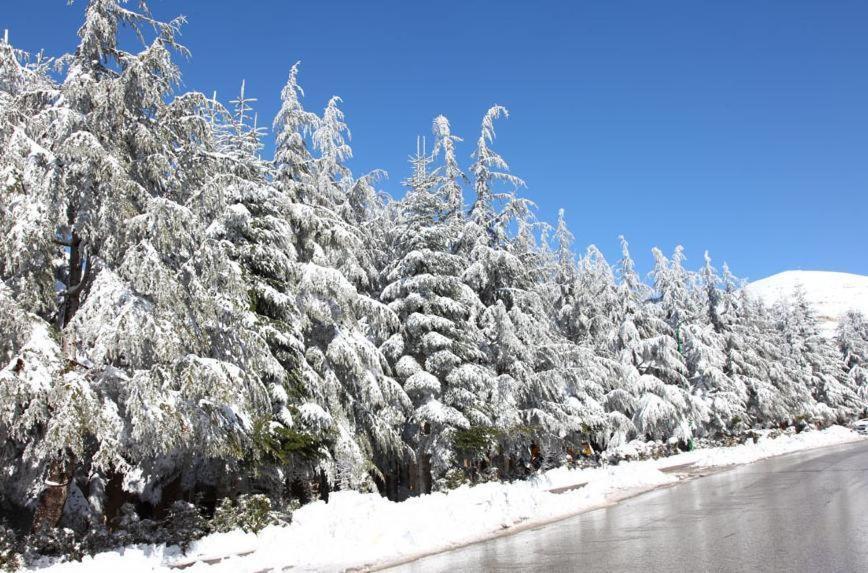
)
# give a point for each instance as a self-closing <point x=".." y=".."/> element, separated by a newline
<point x="831" y="294"/>
<point x="362" y="530"/>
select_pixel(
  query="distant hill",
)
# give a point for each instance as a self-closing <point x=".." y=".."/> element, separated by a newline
<point x="832" y="294"/>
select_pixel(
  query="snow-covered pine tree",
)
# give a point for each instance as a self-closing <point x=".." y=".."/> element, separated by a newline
<point x="485" y="237"/>
<point x="587" y="363"/>
<point x="436" y="353"/>
<point x="704" y="348"/>
<point x="330" y="139"/>
<point x="27" y="173"/>
<point x="635" y="324"/>
<point x="784" y="330"/>
<point x="243" y="136"/>
<point x="528" y="400"/>
<point x="664" y="316"/>
<point x="818" y="364"/>
<point x="292" y="126"/>
<point x="852" y="338"/>
<point x="340" y="201"/>
<point x="730" y="299"/>
<point x="558" y="289"/>
<point x="661" y="404"/>
<point x="252" y="217"/>
<point x="450" y="174"/>
<point x="565" y="258"/>
<point x="562" y="401"/>
<point x="672" y="283"/>
<point x="486" y="224"/>
<point x="592" y="320"/>
<point x="28" y="258"/>
<point x="757" y="355"/>
<point x="360" y="406"/>
<point x="494" y="273"/>
<point x="151" y="383"/>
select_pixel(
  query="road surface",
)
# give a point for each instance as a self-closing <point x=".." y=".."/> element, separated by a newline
<point x="800" y="512"/>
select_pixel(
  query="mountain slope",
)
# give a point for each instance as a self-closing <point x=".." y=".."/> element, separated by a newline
<point x="832" y="294"/>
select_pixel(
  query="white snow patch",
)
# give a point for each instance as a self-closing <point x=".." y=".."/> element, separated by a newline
<point x="831" y="294"/>
<point x="358" y="530"/>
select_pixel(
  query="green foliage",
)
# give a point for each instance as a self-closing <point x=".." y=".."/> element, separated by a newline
<point x="184" y="524"/>
<point x="453" y="479"/>
<point x="523" y="432"/>
<point x="736" y="423"/>
<point x="476" y="441"/>
<point x="295" y="388"/>
<point x="53" y="542"/>
<point x="254" y="300"/>
<point x="252" y="513"/>
<point x="280" y="445"/>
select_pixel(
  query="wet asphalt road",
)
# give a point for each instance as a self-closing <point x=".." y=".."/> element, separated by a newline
<point x="800" y="512"/>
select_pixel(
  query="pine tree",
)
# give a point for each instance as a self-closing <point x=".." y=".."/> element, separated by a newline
<point x="361" y="407"/>
<point x="852" y="338"/>
<point x="437" y="350"/>
<point x="144" y="335"/>
<point x="818" y="358"/>
<point x="450" y="176"/>
<point x="661" y="403"/>
<point x="593" y="320"/>
<point x="330" y="140"/>
<point x="705" y="344"/>
<point x="292" y="126"/>
<point x="672" y="283"/>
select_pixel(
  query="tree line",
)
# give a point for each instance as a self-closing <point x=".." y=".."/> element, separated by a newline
<point x="185" y="319"/>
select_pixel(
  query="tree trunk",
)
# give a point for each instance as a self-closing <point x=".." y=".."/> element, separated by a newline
<point x="323" y="486"/>
<point x="49" y="509"/>
<point x="425" y="474"/>
<point x="71" y="301"/>
<point x="413" y="478"/>
<point x="300" y="489"/>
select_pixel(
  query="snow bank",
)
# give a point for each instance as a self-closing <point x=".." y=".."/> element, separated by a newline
<point x="766" y="448"/>
<point x="359" y="530"/>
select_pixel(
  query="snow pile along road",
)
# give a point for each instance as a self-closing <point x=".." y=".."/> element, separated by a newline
<point x="362" y="530"/>
<point x="831" y="294"/>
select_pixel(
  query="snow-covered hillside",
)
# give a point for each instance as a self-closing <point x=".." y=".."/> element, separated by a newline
<point x="831" y="294"/>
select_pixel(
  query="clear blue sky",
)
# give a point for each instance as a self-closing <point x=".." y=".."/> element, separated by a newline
<point x="740" y="126"/>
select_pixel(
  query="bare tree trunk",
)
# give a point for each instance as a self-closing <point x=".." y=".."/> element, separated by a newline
<point x="425" y="470"/>
<point x="49" y="510"/>
<point x="413" y="477"/>
<point x="323" y="486"/>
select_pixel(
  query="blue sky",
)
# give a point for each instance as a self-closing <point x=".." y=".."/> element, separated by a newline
<point x="740" y="127"/>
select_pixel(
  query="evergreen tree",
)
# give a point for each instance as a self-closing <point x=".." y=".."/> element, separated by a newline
<point x="292" y="126"/>
<point x="357" y="405"/>
<point x="150" y="315"/>
<point x="450" y="175"/>
<point x="436" y="352"/>
<point x="852" y="338"/>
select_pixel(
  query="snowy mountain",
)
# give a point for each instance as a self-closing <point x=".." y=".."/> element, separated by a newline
<point x="832" y="294"/>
